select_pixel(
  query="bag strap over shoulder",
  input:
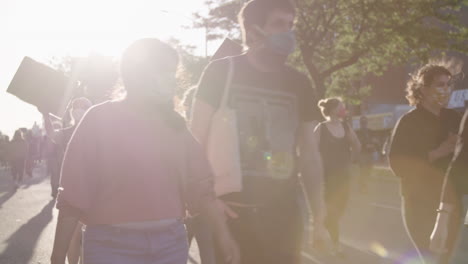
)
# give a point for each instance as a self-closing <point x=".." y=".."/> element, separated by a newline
<point x="345" y="127"/>
<point x="227" y="86"/>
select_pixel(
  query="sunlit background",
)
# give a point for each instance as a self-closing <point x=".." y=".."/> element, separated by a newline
<point x="55" y="28"/>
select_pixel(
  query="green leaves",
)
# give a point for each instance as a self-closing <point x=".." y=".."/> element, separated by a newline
<point x="342" y="41"/>
<point x="221" y="19"/>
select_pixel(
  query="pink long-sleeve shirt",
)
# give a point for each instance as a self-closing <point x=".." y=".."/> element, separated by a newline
<point x="121" y="166"/>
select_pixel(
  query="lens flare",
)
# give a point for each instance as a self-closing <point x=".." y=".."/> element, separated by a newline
<point x="378" y="249"/>
<point x="415" y="258"/>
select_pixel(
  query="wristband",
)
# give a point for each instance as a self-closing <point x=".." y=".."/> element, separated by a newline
<point x="443" y="211"/>
<point x="448" y="207"/>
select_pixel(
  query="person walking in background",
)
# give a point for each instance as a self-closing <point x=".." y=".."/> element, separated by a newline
<point x="336" y="145"/>
<point x="51" y="157"/>
<point x="29" y="164"/>
<point x="58" y="140"/>
<point x="132" y="191"/>
<point x="422" y="146"/>
<point x="6" y="158"/>
<point x="366" y="158"/>
<point x="3" y="151"/>
<point x="61" y="137"/>
<point x="17" y="155"/>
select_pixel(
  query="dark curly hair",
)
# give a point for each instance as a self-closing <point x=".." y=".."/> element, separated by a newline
<point x="423" y="78"/>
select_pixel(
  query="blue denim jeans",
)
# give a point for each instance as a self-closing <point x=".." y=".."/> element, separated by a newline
<point x="103" y="244"/>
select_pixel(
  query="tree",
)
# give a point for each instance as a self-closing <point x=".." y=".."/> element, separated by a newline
<point x="221" y="20"/>
<point x="341" y="41"/>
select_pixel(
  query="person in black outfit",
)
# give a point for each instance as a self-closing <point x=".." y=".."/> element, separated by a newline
<point x="18" y="154"/>
<point x="422" y="145"/>
<point x="336" y="143"/>
<point x="455" y="187"/>
<point x="60" y="139"/>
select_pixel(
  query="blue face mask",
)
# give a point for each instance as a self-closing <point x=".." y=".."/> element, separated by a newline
<point x="283" y="43"/>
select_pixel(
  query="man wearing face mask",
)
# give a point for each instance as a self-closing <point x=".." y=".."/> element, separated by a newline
<point x="60" y="139"/>
<point x="422" y="146"/>
<point x="275" y="114"/>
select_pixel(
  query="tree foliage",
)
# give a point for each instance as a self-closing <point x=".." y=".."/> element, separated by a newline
<point x="221" y="19"/>
<point x="341" y="41"/>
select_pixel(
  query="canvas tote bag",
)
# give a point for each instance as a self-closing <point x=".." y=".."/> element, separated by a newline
<point x="223" y="144"/>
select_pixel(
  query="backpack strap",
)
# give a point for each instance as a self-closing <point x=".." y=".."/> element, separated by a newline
<point x="346" y="127"/>
<point x="347" y="132"/>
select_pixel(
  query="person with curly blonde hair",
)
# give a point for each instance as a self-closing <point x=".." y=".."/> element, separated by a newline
<point x="423" y="143"/>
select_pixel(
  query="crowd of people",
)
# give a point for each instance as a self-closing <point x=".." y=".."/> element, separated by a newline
<point x="22" y="153"/>
<point x="240" y="163"/>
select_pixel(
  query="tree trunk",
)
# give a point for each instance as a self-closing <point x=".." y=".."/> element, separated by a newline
<point x="319" y="85"/>
<point x="317" y="78"/>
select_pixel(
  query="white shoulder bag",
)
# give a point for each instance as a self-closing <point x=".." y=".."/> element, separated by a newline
<point x="223" y="144"/>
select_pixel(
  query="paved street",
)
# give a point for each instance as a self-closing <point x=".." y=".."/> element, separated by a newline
<point x="372" y="228"/>
<point x="27" y="220"/>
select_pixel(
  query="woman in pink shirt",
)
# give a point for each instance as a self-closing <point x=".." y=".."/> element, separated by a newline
<point x="132" y="169"/>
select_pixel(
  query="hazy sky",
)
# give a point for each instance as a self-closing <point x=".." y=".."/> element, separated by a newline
<point x="47" y="28"/>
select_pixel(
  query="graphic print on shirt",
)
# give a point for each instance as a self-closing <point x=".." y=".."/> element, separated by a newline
<point x="267" y="126"/>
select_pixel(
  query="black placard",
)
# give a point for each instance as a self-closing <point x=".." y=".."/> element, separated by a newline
<point x="40" y="85"/>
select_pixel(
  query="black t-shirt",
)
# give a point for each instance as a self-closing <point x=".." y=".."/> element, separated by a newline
<point x="269" y="107"/>
<point x="416" y="134"/>
<point x="336" y="155"/>
<point x="458" y="170"/>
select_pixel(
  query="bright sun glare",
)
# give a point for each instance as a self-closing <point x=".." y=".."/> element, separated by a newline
<point x="104" y="26"/>
<point x="56" y="28"/>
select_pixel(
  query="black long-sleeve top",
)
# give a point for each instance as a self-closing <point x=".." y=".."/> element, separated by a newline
<point x="457" y="173"/>
<point x="417" y="133"/>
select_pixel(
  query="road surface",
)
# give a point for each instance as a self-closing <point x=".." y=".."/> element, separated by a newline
<point x="373" y="232"/>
